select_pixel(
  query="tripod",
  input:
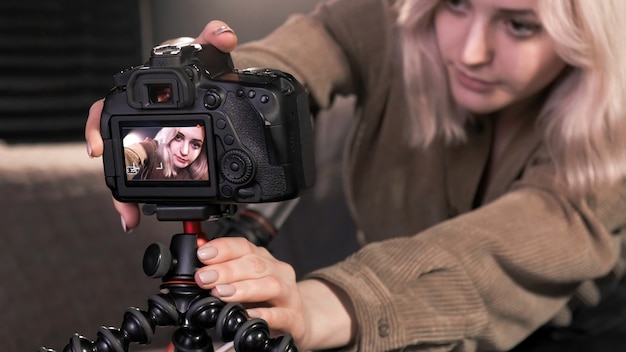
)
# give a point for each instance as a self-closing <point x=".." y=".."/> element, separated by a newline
<point x="181" y="302"/>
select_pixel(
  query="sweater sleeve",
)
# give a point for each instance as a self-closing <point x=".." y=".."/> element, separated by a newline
<point x="327" y="50"/>
<point x="486" y="279"/>
<point x="136" y="155"/>
<point x="302" y="48"/>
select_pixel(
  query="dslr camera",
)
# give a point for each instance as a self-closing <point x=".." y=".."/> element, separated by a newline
<point x="188" y="128"/>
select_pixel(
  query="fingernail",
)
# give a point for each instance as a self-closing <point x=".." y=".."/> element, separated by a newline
<point x="225" y="290"/>
<point x="124" y="227"/>
<point x="89" y="150"/>
<point x="208" y="276"/>
<point x="206" y="253"/>
<point x="223" y="29"/>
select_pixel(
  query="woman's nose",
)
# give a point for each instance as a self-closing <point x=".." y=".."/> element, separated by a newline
<point x="185" y="149"/>
<point x="477" y="49"/>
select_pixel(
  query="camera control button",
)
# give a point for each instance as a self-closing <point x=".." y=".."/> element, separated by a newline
<point x="251" y="94"/>
<point x="221" y="124"/>
<point x="212" y="100"/>
<point x="229" y="140"/>
<point x="227" y="191"/>
<point x="265" y="99"/>
<point x="245" y="192"/>
<point x="236" y="166"/>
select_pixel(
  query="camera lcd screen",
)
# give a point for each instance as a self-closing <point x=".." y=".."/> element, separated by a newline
<point x="165" y="153"/>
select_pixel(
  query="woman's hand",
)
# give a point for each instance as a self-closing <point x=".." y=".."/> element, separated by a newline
<point x="238" y="271"/>
<point x="316" y="314"/>
<point x="216" y="33"/>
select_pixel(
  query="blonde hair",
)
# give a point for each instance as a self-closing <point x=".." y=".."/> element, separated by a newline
<point x="198" y="168"/>
<point x="433" y="110"/>
<point x="584" y="116"/>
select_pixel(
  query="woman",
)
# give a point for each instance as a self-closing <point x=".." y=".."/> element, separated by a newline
<point x="485" y="172"/>
<point x="174" y="153"/>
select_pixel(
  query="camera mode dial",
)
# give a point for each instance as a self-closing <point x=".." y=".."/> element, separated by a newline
<point x="237" y="167"/>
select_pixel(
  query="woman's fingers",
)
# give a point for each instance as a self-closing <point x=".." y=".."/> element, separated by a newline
<point x="238" y="271"/>
<point x="267" y="289"/>
<point x="252" y="273"/>
<point x="129" y="213"/>
<point x="95" y="146"/>
<point x="219" y="34"/>
<point x="281" y="319"/>
<point x="256" y="279"/>
<point x="223" y="249"/>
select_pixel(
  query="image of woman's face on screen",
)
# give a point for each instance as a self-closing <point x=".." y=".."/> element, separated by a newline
<point x="186" y="146"/>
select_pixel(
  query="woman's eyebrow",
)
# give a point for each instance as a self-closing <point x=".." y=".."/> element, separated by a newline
<point x="517" y="12"/>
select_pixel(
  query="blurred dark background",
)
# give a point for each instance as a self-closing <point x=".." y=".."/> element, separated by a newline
<point x="65" y="264"/>
<point x="58" y="56"/>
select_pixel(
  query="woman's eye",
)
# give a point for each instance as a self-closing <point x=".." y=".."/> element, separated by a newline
<point x="196" y="145"/>
<point x="456" y="5"/>
<point x="179" y="137"/>
<point x="523" y="29"/>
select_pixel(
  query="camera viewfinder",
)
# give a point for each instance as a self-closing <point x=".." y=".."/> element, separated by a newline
<point x="160" y="93"/>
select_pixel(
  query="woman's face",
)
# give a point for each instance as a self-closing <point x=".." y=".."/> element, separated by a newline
<point x="496" y="53"/>
<point x="186" y="146"/>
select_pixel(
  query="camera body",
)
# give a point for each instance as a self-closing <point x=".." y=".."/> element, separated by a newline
<point x="188" y="128"/>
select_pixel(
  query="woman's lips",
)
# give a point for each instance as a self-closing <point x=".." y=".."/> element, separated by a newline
<point x="473" y="83"/>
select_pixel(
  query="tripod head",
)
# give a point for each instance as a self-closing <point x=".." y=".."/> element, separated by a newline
<point x="158" y="260"/>
<point x="181" y="301"/>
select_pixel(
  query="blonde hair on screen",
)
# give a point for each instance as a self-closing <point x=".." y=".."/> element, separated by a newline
<point x="198" y="168"/>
